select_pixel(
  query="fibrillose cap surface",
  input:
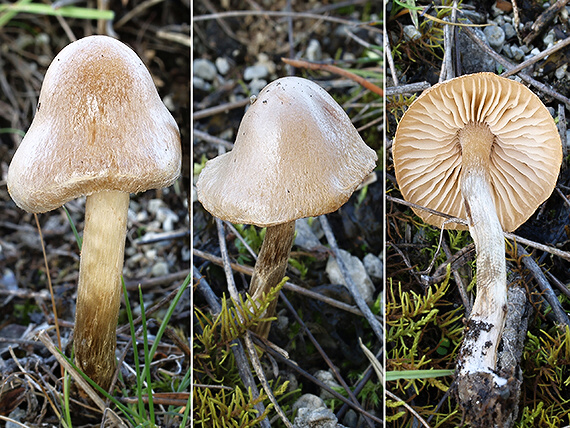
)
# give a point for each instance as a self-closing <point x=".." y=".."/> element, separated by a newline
<point x="296" y="155"/>
<point x="525" y="157"/>
<point x="100" y="125"/>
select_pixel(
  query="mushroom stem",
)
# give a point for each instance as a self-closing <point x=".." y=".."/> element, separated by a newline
<point x="479" y="350"/>
<point x="99" y="287"/>
<point x="270" y="267"/>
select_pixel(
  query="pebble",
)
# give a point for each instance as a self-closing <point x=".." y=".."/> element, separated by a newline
<point x="313" y="51"/>
<point x="374" y="266"/>
<point x="223" y="65"/>
<point x="561" y="71"/>
<point x="517" y="53"/>
<point x="154" y="205"/>
<point x="509" y="31"/>
<point x="167" y="217"/>
<point x="305" y="237"/>
<point x="256" y="85"/>
<point x="329" y="380"/>
<point x="319" y="418"/>
<point x="159" y="269"/>
<point x="308" y="401"/>
<point x="264" y="59"/>
<point x="350" y="419"/>
<point x="411" y="33"/>
<point x="549" y="39"/>
<point x="258" y="71"/>
<point x="201" y="84"/>
<point x="495" y="36"/>
<point x="357" y="272"/>
<point x="204" y="69"/>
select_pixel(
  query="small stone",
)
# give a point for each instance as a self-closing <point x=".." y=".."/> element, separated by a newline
<point x="517" y="53"/>
<point x="495" y="36"/>
<point x="159" y="269"/>
<point x="509" y="31"/>
<point x="561" y="71"/>
<point x="507" y="51"/>
<point x="329" y="380"/>
<point x="167" y="217"/>
<point x="305" y="237"/>
<point x="314" y="52"/>
<point x="264" y="59"/>
<point x="258" y="71"/>
<point x="256" y="85"/>
<point x="356" y="271"/>
<point x="319" y="418"/>
<point x="151" y="254"/>
<point x="201" y="84"/>
<point x="223" y="65"/>
<point x="308" y="401"/>
<point x="411" y="33"/>
<point x="373" y="265"/>
<point x="154" y="205"/>
<point x="549" y="39"/>
<point x="204" y="69"/>
<point x="350" y="419"/>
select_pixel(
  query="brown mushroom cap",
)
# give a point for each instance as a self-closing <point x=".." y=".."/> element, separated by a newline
<point x="100" y="125"/>
<point x="296" y="155"/>
<point x="525" y="156"/>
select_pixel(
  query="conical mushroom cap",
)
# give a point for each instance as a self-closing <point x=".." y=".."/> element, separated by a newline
<point x="296" y="155"/>
<point x="525" y="155"/>
<point x="100" y="125"/>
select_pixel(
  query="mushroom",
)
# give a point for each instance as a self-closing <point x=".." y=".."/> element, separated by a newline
<point x="484" y="148"/>
<point x="296" y="155"/>
<point x="100" y="130"/>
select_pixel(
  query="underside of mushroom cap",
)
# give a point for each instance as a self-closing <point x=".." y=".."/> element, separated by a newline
<point x="296" y="155"/>
<point x="525" y="155"/>
<point x="100" y="125"/>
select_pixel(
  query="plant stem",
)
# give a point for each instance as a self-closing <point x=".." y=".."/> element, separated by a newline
<point x="270" y="267"/>
<point x="99" y="287"/>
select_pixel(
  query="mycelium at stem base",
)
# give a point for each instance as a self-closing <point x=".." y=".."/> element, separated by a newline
<point x="478" y="355"/>
<point x="270" y="267"/>
<point x="99" y="288"/>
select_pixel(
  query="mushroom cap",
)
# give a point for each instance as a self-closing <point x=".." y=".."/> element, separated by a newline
<point x="100" y="125"/>
<point x="525" y="157"/>
<point x="296" y="155"/>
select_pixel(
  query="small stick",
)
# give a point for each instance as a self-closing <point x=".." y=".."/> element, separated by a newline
<point x="211" y="139"/>
<point x="335" y="70"/>
<point x="222" y="108"/>
<point x="410" y="88"/>
<point x="544" y="285"/>
<point x="390" y="60"/>
<point x="538" y="57"/>
<point x="552" y="250"/>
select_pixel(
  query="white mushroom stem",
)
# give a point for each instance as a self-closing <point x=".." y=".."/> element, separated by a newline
<point x="479" y="349"/>
<point x="271" y="266"/>
<point x="99" y="288"/>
